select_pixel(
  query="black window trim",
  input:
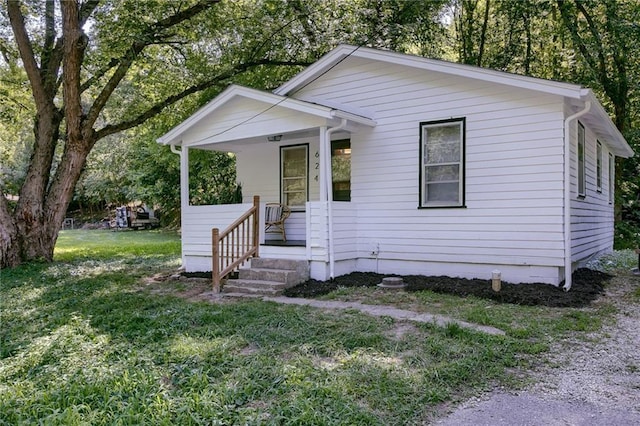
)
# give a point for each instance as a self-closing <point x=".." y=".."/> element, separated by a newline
<point x="599" y="166"/>
<point x="463" y="162"/>
<point x="581" y="195"/>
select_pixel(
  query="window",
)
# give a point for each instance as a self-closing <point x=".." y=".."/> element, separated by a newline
<point x="294" y="172"/>
<point x="612" y="177"/>
<point x="598" y="166"/>
<point x="341" y="169"/>
<point x="442" y="163"/>
<point x="582" y="182"/>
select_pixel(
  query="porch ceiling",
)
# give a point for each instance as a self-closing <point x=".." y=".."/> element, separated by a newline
<point x="242" y="116"/>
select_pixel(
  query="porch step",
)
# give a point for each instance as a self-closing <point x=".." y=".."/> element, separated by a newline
<point x="268" y="277"/>
<point x="271" y="288"/>
<point x="285" y="276"/>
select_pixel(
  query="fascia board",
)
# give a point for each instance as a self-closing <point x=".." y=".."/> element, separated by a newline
<point x="616" y="139"/>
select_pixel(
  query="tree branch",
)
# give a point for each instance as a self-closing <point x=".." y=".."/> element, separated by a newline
<point x="49" y="33"/>
<point x="158" y="107"/>
<point x="86" y="10"/>
<point x="73" y="47"/>
<point x="26" y="53"/>
<point x="148" y="37"/>
<point x="573" y="32"/>
<point x="602" y="65"/>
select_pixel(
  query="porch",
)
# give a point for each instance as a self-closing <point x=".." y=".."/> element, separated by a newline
<point x="309" y="234"/>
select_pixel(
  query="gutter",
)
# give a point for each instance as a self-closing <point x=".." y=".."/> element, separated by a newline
<point x="567" y="194"/>
<point x="328" y="179"/>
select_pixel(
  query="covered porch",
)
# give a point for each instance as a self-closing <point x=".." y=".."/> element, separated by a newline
<point x="285" y="150"/>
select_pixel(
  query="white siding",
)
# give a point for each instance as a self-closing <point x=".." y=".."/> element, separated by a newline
<point x="345" y="230"/>
<point x="514" y="168"/>
<point x="592" y="216"/>
<point x="262" y="116"/>
<point x="197" y="223"/>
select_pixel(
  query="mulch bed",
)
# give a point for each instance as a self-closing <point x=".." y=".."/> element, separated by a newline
<point x="586" y="287"/>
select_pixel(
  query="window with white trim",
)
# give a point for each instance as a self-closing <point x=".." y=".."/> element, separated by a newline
<point x="612" y="177"/>
<point x="442" y="163"/>
<point x="294" y="176"/>
<point x="582" y="177"/>
<point x="598" y="166"/>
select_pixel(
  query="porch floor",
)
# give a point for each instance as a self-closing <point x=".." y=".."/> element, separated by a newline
<point x="288" y="243"/>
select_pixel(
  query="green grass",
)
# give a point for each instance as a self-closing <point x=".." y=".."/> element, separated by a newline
<point x="82" y="341"/>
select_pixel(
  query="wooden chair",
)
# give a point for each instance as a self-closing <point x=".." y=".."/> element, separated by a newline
<point x="274" y="216"/>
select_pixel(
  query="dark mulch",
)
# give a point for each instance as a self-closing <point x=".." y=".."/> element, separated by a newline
<point x="586" y="287"/>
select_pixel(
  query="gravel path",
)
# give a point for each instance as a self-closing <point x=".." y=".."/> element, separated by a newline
<point x="593" y="381"/>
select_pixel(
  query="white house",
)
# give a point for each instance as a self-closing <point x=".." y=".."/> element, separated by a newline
<point x="399" y="164"/>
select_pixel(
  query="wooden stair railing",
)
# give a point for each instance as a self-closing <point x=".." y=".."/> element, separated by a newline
<point x="235" y="245"/>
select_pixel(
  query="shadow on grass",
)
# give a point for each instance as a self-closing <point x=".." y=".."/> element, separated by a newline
<point x="86" y="345"/>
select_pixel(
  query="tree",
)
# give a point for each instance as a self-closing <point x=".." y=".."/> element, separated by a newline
<point x="606" y="34"/>
<point x="85" y="63"/>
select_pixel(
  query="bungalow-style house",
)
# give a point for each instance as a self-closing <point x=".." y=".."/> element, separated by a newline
<point x="399" y="164"/>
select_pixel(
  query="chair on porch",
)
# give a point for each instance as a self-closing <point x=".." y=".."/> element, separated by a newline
<point x="274" y="216"/>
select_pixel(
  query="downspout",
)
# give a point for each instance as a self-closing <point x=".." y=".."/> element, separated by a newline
<point x="567" y="194"/>
<point x="328" y="181"/>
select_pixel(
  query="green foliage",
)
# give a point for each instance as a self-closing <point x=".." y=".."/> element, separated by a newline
<point x="587" y="42"/>
<point x="16" y="135"/>
<point x="627" y="234"/>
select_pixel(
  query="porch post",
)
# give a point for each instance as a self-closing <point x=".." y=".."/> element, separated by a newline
<point x="184" y="180"/>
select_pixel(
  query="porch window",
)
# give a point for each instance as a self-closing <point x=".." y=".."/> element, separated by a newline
<point x="582" y="180"/>
<point x="341" y="169"/>
<point x="599" y="166"/>
<point x="294" y="172"/>
<point x="442" y="163"/>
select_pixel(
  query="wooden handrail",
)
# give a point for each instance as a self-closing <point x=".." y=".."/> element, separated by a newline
<point x="235" y="245"/>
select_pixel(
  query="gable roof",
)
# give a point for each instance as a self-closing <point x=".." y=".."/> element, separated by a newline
<point x="598" y="118"/>
<point x="274" y="100"/>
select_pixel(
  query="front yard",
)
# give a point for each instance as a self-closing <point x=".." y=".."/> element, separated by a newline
<point x="85" y="341"/>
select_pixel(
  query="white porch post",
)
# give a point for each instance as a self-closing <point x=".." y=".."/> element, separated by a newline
<point x="184" y="180"/>
<point x="184" y="186"/>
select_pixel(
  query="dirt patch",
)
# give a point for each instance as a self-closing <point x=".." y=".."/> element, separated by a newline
<point x="194" y="289"/>
<point x="587" y="286"/>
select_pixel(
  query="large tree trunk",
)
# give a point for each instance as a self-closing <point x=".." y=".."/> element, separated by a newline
<point x="30" y="232"/>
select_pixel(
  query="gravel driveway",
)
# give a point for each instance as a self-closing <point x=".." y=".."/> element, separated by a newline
<point x="593" y="381"/>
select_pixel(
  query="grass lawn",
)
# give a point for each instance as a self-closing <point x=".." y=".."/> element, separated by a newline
<point x="82" y="341"/>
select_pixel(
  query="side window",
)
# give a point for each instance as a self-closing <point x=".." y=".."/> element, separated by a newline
<point x="598" y="166"/>
<point x="341" y="169"/>
<point x="582" y="179"/>
<point x="442" y="163"/>
<point x="294" y="173"/>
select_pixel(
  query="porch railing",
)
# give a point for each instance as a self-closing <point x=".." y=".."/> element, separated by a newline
<point x="235" y="245"/>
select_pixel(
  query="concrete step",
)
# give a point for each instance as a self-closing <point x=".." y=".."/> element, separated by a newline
<point x="270" y="288"/>
<point x="301" y="266"/>
<point x="286" y="276"/>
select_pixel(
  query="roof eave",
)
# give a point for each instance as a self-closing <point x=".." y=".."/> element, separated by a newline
<point x="616" y="140"/>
